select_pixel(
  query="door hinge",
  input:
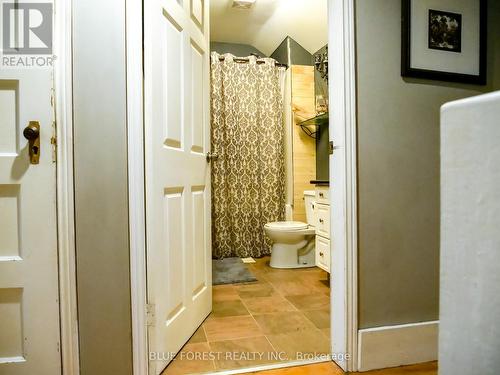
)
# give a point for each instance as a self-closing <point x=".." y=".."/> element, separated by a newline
<point x="150" y="314"/>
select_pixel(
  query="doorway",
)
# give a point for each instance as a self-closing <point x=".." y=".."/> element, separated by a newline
<point x="344" y="320"/>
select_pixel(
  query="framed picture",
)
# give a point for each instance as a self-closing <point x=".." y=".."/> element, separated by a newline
<point x="444" y="40"/>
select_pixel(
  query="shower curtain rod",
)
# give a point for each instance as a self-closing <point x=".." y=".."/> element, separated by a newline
<point x="245" y="60"/>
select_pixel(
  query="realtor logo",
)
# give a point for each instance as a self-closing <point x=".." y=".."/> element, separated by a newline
<point x="27" y="28"/>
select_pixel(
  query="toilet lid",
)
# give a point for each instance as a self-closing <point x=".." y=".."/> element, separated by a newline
<point x="287" y="225"/>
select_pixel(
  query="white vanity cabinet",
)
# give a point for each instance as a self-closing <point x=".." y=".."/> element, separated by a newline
<point x="322" y="209"/>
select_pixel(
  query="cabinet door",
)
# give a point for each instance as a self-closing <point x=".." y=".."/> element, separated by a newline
<point x="323" y="194"/>
<point x="323" y="220"/>
<point x="323" y="253"/>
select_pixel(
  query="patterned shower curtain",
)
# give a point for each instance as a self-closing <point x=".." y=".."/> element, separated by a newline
<point x="248" y="178"/>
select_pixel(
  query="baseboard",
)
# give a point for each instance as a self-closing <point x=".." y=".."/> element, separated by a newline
<point x="392" y="346"/>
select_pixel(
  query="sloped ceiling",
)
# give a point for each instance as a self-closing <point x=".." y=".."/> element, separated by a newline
<point x="268" y="22"/>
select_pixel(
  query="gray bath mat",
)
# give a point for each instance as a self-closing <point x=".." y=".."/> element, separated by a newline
<point x="230" y="271"/>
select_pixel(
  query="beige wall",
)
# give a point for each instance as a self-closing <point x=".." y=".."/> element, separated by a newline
<point x="101" y="204"/>
<point x="399" y="169"/>
<point x="304" y="147"/>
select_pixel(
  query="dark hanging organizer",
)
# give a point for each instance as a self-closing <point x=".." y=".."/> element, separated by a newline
<point x="315" y="122"/>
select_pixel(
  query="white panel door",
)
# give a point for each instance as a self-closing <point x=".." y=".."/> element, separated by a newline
<point x="177" y="138"/>
<point x="29" y="311"/>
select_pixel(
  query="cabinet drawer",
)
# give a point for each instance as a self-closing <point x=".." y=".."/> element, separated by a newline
<point x="323" y="253"/>
<point x="323" y="220"/>
<point x="323" y="194"/>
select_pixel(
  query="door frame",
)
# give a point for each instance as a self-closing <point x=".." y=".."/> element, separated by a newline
<point x="344" y="260"/>
<point x="63" y="114"/>
<point x="341" y="32"/>
<point x="134" y="12"/>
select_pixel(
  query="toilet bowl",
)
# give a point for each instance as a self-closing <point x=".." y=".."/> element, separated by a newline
<point x="293" y="241"/>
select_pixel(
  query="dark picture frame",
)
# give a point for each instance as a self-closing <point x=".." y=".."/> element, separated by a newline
<point x="453" y="46"/>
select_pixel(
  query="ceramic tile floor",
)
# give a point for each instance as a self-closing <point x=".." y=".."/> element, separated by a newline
<point x="284" y="311"/>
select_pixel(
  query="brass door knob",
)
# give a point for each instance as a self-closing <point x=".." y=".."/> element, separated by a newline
<point x="212" y="156"/>
<point x="31" y="132"/>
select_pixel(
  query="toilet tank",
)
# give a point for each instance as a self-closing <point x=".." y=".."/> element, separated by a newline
<point x="310" y="203"/>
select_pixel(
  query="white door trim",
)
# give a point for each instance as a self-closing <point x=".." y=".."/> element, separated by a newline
<point x="137" y="221"/>
<point x="63" y="106"/>
<point x="342" y="82"/>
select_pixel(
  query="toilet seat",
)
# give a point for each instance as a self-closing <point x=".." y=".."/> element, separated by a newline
<point x="287" y="226"/>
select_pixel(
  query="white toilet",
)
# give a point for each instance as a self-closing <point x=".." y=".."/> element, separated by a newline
<point x="294" y="241"/>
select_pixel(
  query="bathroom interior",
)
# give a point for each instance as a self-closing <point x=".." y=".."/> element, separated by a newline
<point x="270" y="194"/>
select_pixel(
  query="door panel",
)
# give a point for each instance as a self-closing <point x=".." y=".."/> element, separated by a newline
<point x="29" y="311"/>
<point x="198" y="125"/>
<point x="8" y="121"/>
<point x="176" y="87"/>
<point x="171" y="43"/>
<point x="200" y="236"/>
<point x="197" y="12"/>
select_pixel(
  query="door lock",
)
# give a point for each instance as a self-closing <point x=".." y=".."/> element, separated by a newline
<point x="32" y="134"/>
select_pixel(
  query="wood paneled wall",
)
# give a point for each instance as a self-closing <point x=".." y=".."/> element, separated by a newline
<point x="304" y="147"/>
